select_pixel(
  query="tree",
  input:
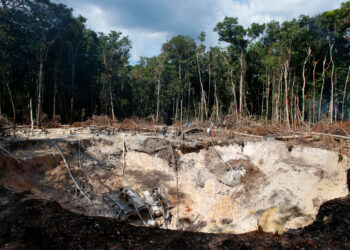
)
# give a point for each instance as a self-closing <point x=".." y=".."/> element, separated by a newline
<point x="180" y="53"/>
<point x="231" y="32"/>
<point x="115" y="53"/>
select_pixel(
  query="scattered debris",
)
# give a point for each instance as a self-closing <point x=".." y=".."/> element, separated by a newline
<point x="112" y="169"/>
<point x="125" y="201"/>
<point x="69" y="170"/>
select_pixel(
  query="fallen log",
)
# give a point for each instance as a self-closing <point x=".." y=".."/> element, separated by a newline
<point x="332" y="135"/>
<point x="327" y="135"/>
<point x="7" y="152"/>
<point x="221" y="157"/>
<point x="290" y="137"/>
<point x="312" y="139"/>
<point x="193" y="131"/>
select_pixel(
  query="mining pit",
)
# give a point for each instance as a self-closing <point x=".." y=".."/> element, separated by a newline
<point x="220" y="184"/>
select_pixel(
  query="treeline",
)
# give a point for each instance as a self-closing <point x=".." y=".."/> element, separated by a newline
<point x="53" y="68"/>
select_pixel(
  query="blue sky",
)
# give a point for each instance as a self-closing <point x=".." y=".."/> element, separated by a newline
<point x="150" y="23"/>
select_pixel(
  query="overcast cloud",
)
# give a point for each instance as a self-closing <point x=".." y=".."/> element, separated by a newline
<point x="150" y="23"/>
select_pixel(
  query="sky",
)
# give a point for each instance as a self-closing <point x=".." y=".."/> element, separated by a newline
<point x="150" y="23"/>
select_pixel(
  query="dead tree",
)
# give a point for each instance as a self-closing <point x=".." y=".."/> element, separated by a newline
<point x="324" y="70"/>
<point x="203" y="101"/>
<point x="332" y="82"/>
<point x="286" y="71"/>
<point x="344" y="95"/>
<point x="304" y="83"/>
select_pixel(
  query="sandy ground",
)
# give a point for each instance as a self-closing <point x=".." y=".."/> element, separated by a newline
<point x="277" y="190"/>
<point x="271" y="184"/>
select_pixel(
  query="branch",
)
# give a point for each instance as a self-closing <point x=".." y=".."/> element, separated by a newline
<point x="69" y="171"/>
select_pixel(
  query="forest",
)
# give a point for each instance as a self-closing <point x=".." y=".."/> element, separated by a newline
<point x="54" y="68"/>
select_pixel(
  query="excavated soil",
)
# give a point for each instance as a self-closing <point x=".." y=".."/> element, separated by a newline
<point x="237" y="186"/>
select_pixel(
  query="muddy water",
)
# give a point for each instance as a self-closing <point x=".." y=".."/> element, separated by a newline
<point x="266" y="183"/>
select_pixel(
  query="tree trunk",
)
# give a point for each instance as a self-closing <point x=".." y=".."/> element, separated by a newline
<point x="176" y="109"/>
<point x="286" y="71"/>
<point x="234" y="93"/>
<point x="72" y="88"/>
<point x="12" y="105"/>
<point x="173" y="115"/>
<point x="92" y="109"/>
<point x="278" y="97"/>
<point x="344" y="94"/>
<point x="54" y="104"/>
<point x="332" y="83"/>
<point x="189" y="100"/>
<point x="297" y="110"/>
<point x="230" y="70"/>
<point x="203" y="99"/>
<point x="158" y="91"/>
<point x="282" y="106"/>
<point x="304" y="83"/>
<point x="39" y="87"/>
<point x="216" y="102"/>
<point x="54" y="94"/>
<point x="194" y="108"/>
<point x="293" y="105"/>
<point x="31" y="113"/>
<point x="181" y="112"/>
<point x="267" y="96"/>
<point x="324" y="69"/>
<point x="314" y="92"/>
<point x="209" y="81"/>
<point x="159" y="69"/>
<point x="273" y="98"/>
<point x="241" y="82"/>
<point x="262" y="98"/>
<point x="111" y="98"/>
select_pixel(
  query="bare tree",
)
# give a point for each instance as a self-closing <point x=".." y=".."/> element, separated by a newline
<point x="324" y="70"/>
<point x="304" y="83"/>
<point x="344" y="95"/>
<point x="331" y="103"/>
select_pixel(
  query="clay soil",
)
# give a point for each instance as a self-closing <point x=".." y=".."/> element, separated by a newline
<point x="41" y="209"/>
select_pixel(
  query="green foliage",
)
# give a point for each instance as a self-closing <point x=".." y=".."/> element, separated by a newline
<point x="92" y="69"/>
<point x="231" y="32"/>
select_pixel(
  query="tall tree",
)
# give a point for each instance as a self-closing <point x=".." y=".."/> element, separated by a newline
<point x="230" y="31"/>
<point x="115" y="53"/>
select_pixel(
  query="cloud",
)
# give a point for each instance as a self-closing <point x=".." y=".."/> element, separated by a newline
<point x="267" y="10"/>
<point x="150" y="23"/>
<point x="145" y="43"/>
